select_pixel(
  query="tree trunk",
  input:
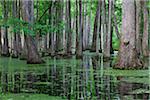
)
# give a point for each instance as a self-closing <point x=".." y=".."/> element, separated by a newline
<point x="5" y="48"/>
<point x="88" y="31"/>
<point x="145" y="31"/>
<point x="84" y="30"/>
<point x="103" y="27"/>
<point x="80" y="33"/>
<point x="15" y="42"/>
<point x="19" y="40"/>
<point x="37" y="37"/>
<point x="28" y="15"/>
<point x="95" y="32"/>
<point x="23" y="55"/>
<point x="69" y="39"/>
<point x="77" y="28"/>
<point x="108" y="34"/>
<point x="52" y="35"/>
<point x="127" y="57"/>
<point x="138" y="25"/>
<point x="58" y="21"/>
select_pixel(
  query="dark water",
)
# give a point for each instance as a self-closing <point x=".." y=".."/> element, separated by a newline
<point x="88" y="79"/>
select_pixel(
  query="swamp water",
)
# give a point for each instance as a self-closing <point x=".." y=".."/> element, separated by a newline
<point x="70" y="79"/>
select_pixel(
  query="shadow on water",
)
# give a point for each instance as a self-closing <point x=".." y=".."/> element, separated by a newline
<point x="88" y="79"/>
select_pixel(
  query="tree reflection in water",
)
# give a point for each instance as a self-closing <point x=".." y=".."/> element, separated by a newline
<point x="88" y="79"/>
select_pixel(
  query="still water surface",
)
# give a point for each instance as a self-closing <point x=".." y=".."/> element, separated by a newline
<point x="69" y="79"/>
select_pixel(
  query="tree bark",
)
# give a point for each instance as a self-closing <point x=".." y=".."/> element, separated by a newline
<point x="59" y="20"/>
<point x="85" y="27"/>
<point x="19" y="40"/>
<point x="77" y="28"/>
<point x="127" y="57"/>
<point x="52" y="36"/>
<point x="95" y="32"/>
<point x="103" y="27"/>
<point x="69" y="40"/>
<point x="138" y="25"/>
<point x="145" y="31"/>
<point x="28" y="15"/>
<point x="5" y="48"/>
<point x="80" y="33"/>
<point x="15" y="42"/>
<point x="107" y="51"/>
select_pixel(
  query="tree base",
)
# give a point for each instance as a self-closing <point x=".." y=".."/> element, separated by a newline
<point x="107" y="58"/>
<point x="79" y="56"/>
<point x="23" y="57"/>
<point x="35" y="62"/>
<point x="133" y="65"/>
<point x="85" y="49"/>
<point x="14" y="56"/>
<point x="5" y="55"/>
<point x="64" y="56"/>
<point x="92" y="50"/>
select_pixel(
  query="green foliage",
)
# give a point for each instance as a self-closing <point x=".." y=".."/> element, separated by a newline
<point x="30" y="29"/>
<point x="115" y="41"/>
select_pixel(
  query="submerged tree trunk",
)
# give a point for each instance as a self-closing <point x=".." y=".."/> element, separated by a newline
<point x="28" y="15"/>
<point x="128" y="57"/>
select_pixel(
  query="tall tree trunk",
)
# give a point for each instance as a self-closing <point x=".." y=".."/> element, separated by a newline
<point x="77" y="28"/>
<point x="85" y="26"/>
<point x="15" y="46"/>
<point x="145" y="31"/>
<point x="108" y="34"/>
<point x="80" y="33"/>
<point x="5" y="48"/>
<point x="127" y="52"/>
<point x="28" y="15"/>
<point x="37" y="37"/>
<point x="19" y="41"/>
<point x="52" y="36"/>
<point x="50" y="22"/>
<point x="103" y="27"/>
<point x="58" y="19"/>
<point x="90" y="25"/>
<point x="138" y="25"/>
<point x="69" y="39"/>
<point x="89" y="29"/>
<point x="95" y="32"/>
